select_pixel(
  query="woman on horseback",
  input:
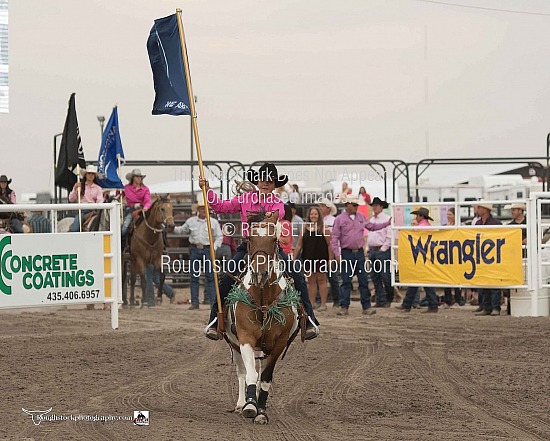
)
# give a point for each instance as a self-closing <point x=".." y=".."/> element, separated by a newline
<point x="90" y="193"/>
<point x="266" y="179"/>
<point x="8" y="197"/>
<point x="137" y="197"/>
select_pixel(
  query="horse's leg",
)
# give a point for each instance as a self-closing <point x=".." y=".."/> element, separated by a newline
<point x="124" y="282"/>
<point x="133" y="276"/>
<point x="161" y="276"/>
<point x="267" y="378"/>
<point x="241" y="376"/>
<point x="250" y="408"/>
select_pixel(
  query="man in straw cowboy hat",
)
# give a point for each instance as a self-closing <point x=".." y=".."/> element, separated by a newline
<point x="266" y="179"/>
<point x="7" y="196"/>
<point x="137" y="197"/>
<point x="199" y="251"/>
<point x="422" y="220"/>
<point x="379" y="243"/>
<point x="490" y="298"/>
<point x="347" y="241"/>
<point x="89" y="192"/>
<point x="328" y="211"/>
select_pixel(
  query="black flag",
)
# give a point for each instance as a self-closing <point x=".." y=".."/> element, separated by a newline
<point x="71" y="153"/>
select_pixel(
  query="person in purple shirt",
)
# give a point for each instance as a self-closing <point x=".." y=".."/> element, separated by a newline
<point x="347" y="245"/>
<point x="266" y="179"/>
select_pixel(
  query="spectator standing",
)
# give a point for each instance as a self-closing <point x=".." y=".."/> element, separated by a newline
<point x="294" y="195"/>
<point x="285" y="238"/>
<point x="364" y="195"/>
<point x="379" y="243"/>
<point x="314" y="243"/>
<point x="90" y="193"/>
<point x="347" y="245"/>
<point x="297" y="224"/>
<point x="422" y="220"/>
<point x="226" y="249"/>
<point x="328" y="211"/>
<point x="8" y="197"/>
<point x="451" y="220"/>
<point x="490" y="303"/>
<point x="199" y="251"/>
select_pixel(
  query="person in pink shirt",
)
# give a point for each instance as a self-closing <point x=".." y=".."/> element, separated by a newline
<point x="137" y="197"/>
<point x="90" y="193"/>
<point x="285" y="239"/>
<point x="266" y="180"/>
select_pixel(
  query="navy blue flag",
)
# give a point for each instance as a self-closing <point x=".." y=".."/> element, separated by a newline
<point x="109" y="153"/>
<point x="165" y="55"/>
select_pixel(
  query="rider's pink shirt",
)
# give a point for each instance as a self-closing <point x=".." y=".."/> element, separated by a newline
<point x="242" y="203"/>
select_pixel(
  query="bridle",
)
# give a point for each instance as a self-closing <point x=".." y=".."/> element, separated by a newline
<point x="157" y="207"/>
<point x="272" y="258"/>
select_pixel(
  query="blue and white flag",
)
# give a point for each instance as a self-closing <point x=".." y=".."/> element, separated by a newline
<point x="109" y="153"/>
<point x="165" y="55"/>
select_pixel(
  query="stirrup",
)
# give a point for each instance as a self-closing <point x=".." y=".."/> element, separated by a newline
<point x="315" y="328"/>
<point x="208" y="326"/>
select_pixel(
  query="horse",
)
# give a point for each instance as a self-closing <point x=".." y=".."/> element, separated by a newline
<point x="6" y="217"/>
<point x="262" y="316"/>
<point x="146" y="246"/>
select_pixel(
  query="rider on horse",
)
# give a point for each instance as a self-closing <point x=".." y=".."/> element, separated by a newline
<point x="266" y="179"/>
<point x="137" y="196"/>
<point x="7" y="196"/>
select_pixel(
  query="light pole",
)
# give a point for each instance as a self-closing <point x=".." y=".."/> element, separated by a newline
<point x="101" y="120"/>
<point x="191" y="175"/>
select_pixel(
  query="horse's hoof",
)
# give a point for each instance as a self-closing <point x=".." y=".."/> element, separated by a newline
<point x="261" y="418"/>
<point x="238" y="409"/>
<point x="250" y="411"/>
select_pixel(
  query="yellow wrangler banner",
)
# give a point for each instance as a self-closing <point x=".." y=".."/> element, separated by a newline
<point x="464" y="256"/>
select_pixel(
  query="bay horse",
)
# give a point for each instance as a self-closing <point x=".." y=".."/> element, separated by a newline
<point x="262" y="316"/>
<point x="146" y="246"/>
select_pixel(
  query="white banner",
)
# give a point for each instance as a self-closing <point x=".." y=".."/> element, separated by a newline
<point x="51" y="269"/>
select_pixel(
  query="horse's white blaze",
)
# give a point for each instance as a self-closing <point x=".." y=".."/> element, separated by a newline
<point x="262" y="232"/>
<point x="247" y="353"/>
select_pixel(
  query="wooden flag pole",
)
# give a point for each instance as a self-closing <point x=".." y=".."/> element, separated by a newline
<point x="221" y="321"/>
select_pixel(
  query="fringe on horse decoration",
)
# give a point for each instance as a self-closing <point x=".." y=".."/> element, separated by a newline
<point x="290" y="297"/>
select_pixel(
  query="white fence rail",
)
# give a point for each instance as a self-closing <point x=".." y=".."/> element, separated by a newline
<point x="53" y="269"/>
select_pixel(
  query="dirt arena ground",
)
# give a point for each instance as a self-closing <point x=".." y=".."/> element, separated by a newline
<point x="393" y="376"/>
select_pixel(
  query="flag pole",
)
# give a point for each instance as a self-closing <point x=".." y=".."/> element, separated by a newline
<point x="221" y="321"/>
<point x="78" y="194"/>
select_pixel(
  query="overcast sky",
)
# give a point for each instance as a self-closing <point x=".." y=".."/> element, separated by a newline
<point x="285" y="79"/>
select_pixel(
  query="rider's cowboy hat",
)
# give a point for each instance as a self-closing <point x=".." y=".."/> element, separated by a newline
<point x="379" y="201"/>
<point x="89" y="169"/>
<point x="134" y="172"/>
<point x="329" y="204"/>
<point x="4" y="178"/>
<point x="517" y="205"/>
<point x="267" y="172"/>
<point x="424" y="212"/>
